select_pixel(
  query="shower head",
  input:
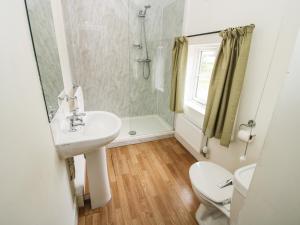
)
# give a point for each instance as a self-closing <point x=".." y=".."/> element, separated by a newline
<point x="142" y="13"/>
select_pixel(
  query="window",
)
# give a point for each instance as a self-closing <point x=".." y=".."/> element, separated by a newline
<point x="202" y="55"/>
<point x="201" y="62"/>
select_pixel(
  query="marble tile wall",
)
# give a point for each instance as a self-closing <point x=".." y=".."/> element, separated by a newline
<point x="43" y="34"/>
<point x="100" y="37"/>
<point x="97" y="36"/>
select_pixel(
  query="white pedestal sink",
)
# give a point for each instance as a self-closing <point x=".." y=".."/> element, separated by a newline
<point x="100" y="129"/>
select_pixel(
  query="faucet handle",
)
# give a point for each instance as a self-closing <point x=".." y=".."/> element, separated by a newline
<point x="76" y="113"/>
<point x="75" y="110"/>
<point x="81" y="114"/>
<point x="71" y="98"/>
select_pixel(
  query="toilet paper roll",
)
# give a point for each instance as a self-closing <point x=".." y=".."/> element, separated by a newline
<point x="245" y="136"/>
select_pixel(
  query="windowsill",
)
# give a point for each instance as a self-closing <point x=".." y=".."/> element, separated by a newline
<point x="194" y="112"/>
<point x="196" y="107"/>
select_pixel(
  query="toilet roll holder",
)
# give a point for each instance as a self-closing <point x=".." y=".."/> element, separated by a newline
<point x="251" y="124"/>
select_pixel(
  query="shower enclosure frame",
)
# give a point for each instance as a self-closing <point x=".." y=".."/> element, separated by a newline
<point x="141" y="56"/>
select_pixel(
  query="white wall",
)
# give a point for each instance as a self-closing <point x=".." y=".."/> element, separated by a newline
<point x="34" y="182"/>
<point x="273" y="198"/>
<point x="271" y="47"/>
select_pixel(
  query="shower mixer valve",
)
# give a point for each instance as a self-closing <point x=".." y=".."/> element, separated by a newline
<point x="143" y="60"/>
<point x="139" y="46"/>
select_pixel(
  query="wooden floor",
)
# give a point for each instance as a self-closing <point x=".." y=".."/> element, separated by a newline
<point x="150" y="185"/>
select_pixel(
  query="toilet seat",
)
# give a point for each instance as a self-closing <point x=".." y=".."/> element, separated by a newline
<point x="206" y="178"/>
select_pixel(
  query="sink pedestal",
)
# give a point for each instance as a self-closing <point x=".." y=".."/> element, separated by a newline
<point x="100" y="128"/>
<point x="98" y="177"/>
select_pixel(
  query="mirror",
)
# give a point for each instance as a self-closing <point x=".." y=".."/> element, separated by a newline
<point x="41" y="24"/>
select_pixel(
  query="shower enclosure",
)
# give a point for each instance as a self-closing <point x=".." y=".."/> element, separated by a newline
<point x="120" y="53"/>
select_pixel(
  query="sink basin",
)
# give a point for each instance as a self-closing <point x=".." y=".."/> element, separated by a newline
<point x="242" y="178"/>
<point x="100" y="129"/>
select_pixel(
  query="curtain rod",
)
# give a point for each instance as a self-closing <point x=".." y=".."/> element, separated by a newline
<point x="213" y="32"/>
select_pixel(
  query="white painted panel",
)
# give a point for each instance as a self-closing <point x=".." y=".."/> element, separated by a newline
<point x="271" y="48"/>
<point x="273" y="197"/>
<point x="189" y="132"/>
<point x="34" y="182"/>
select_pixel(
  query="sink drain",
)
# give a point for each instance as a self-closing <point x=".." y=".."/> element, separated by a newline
<point x="132" y="132"/>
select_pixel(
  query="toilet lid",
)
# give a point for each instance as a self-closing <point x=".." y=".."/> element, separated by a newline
<point x="206" y="177"/>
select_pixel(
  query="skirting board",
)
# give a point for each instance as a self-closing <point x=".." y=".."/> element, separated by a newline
<point x="141" y="139"/>
<point x="76" y="215"/>
<point x="189" y="148"/>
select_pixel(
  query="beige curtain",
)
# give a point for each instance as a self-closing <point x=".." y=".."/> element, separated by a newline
<point x="179" y="60"/>
<point x="226" y="83"/>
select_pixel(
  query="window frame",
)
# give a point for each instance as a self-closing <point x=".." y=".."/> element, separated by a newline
<point x="197" y="51"/>
<point x="193" y="111"/>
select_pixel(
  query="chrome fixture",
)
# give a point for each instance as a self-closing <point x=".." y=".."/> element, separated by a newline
<point x="250" y="124"/>
<point x="142" y="13"/>
<point x="76" y="120"/>
<point x="145" y="60"/>
<point x="67" y="98"/>
<point x="51" y="114"/>
<point x="132" y="132"/>
<point x="61" y="98"/>
<point x="139" y="46"/>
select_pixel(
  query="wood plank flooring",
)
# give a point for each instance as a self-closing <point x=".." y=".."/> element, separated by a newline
<point x="150" y="186"/>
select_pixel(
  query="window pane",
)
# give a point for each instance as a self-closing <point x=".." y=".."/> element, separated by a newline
<point x="207" y="61"/>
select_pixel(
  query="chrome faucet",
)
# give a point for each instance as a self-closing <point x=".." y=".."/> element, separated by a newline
<point x="76" y="120"/>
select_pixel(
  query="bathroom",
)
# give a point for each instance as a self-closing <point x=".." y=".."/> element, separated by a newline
<point x="101" y="124"/>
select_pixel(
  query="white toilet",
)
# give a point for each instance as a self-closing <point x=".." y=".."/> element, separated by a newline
<point x="220" y="200"/>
